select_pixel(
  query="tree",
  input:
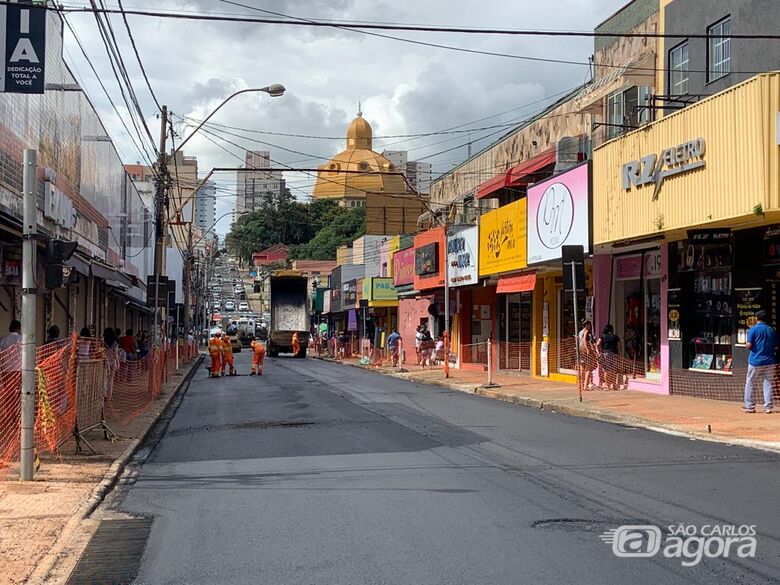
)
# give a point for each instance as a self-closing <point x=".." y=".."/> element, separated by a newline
<point x="343" y="226"/>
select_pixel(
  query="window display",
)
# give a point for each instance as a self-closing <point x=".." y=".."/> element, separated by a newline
<point x="705" y="262"/>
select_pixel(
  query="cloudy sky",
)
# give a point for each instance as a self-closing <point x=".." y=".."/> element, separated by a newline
<point x="404" y="88"/>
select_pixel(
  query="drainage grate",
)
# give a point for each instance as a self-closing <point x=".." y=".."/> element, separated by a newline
<point x="113" y="554"/>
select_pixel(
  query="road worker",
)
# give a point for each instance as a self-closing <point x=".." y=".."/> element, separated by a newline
<point x="258" y="357"/>
<point x="296" y="344"/>
<point x="215" y="351"/>
<point x="227" y="356"/>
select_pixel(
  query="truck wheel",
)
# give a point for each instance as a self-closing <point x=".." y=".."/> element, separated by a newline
<point x="301" y="353"/>
<point x="273" y="353"/>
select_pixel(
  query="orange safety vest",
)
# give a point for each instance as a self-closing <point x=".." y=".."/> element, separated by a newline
<point x="215" y="345"/>
<point x="257" y="347"/>
<point x="227" y="346"/>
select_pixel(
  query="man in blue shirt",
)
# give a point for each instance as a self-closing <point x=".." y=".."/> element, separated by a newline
<point x="761" y="342"/>
<point x="392" y="345"/>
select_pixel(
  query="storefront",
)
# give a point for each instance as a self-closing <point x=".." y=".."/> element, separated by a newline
<point x="686" y="218"/>
<point x="558" y="216"/>
<point x="502" y="252"/>
<point x="429" y="258"/>
<point x="463" y="275"/>
<point x="409" y="313"/>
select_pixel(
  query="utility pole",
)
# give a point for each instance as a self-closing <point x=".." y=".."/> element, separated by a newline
<point x="159" y="218"/>
<point x="188" y="262"/>
<point x="29" y="317"/>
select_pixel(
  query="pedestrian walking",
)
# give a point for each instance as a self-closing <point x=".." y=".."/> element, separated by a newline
<point x="393" y="346"/>
<point x="129" y="345"/>
<point x="418" y="336"/>
<point x="52" y="334"/>
<point x="258" y="357"/>
<point x="427" y="345"/>
<point x="762" y="343"/>
<point x="608" y="347"/>
<point x="587" y="352"/>
<point x="296" y="344"/>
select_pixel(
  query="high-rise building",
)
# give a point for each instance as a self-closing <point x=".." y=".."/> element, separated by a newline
<point x="417" y="173"/>
<point x="255" y="182"/>
<point x="205" y="205"/>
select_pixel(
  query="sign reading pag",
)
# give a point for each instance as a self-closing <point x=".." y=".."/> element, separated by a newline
<point x="23" y="50"/>
<point x="654" y="168"/>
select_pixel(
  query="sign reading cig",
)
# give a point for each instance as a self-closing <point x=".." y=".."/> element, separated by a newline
<point x="654" y="168"/>
<point x="23" y="48"/>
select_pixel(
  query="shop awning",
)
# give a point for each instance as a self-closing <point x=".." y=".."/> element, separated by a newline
<point x="77" y="263"/>
<point x="515" y="284"/>
<point x="518" y="176"/>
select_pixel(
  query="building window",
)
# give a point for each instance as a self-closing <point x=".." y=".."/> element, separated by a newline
<point x="719" y="49"/>
<point x="626" y="109"/>
<point x="678" y="69"/>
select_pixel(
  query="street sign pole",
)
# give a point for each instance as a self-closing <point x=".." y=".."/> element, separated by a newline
<point x="576" y="329"/>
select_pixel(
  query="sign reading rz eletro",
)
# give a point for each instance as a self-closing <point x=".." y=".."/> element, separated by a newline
<point x="23" y="50"/>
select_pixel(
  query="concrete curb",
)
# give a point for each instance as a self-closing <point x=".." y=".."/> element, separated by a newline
<point x="574" y="410"/>
<point x="111" y="476"/>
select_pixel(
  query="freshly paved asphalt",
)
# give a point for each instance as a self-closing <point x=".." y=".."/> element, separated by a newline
<point x="325" y="474"/>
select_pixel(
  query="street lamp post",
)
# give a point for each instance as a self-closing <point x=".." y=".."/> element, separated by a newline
<point x="162" y="180"/>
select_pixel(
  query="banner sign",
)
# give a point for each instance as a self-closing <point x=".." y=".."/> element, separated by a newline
<point x="23" y="50"/>
<point x="426" y="260"/>
<point x="462" y="249"/>
<point x="559" y="214"/>
<point x="403" y="267"/>
<point x="349" y="290"/>
<point x="382" y="289"/>
<point x="502" y="239"/>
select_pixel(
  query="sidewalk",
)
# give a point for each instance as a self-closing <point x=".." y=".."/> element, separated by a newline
<point x="712" y="420"/>
<point x="39" y="519"/>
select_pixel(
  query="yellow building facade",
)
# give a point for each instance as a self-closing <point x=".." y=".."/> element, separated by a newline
<point x="357" y="171"/>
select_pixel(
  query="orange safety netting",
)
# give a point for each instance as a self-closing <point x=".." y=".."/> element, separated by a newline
<point x="79" y="382"/>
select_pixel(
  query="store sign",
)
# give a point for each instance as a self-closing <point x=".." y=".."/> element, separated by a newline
<point x="630" y="267"/>
<point x="748" y="302"/>
<point x="559" y="214"/>
<point x="426" y="259"/>
<point x="349" y="290"/>
<point x="654" y="168"/>
<point x="502" y="239"/>
<point x="23" y="47"/>
<point x="382" y="289"/>
<point x="462" y="248"/>
<point x="403" y="267"/>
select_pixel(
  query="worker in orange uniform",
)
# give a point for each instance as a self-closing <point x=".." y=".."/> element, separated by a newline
<point x="296" y="344"/>
<point x="227" y="356"/>
<point x="215" y="351"/>
<point x="258" y="357"/>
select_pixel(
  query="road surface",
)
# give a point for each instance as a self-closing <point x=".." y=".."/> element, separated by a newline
<point x="326" y="474"/>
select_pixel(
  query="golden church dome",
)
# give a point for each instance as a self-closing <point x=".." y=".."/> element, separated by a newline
<point x="357" y="170"/>
<point x="359" y="134"/>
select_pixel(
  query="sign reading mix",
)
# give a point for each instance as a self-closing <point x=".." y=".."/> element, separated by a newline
<point x="462" y="249"/>
<point x="502" y="239"/>
<point x="559" y="214"/>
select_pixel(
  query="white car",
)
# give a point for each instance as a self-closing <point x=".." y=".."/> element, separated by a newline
<point x="230" y="306"/>
<point x="217" y="305"/>
<point x="243" y="306"/>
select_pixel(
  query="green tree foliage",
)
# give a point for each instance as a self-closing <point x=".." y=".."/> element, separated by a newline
<point x="345" y="225"/>
<point x="312" y="230"/>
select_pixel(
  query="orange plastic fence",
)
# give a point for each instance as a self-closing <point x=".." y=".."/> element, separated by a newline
<point x="79" y="380"/>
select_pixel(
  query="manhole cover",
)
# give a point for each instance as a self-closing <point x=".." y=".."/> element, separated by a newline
<point x="579" y="524"/>
<point x="113" y="554"/>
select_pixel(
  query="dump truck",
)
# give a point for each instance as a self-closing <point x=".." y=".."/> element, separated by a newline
<point x="289" y="312"/>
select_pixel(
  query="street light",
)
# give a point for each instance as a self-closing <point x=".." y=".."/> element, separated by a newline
<point x="274" y="90"/>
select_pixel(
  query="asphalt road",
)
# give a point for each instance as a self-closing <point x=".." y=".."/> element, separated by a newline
<point x="325" y="474"/>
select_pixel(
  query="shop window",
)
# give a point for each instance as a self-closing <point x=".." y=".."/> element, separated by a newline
<point x="719" y="49"/>
<point x="678" y="69"/>
<point x="704" y="265"/>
